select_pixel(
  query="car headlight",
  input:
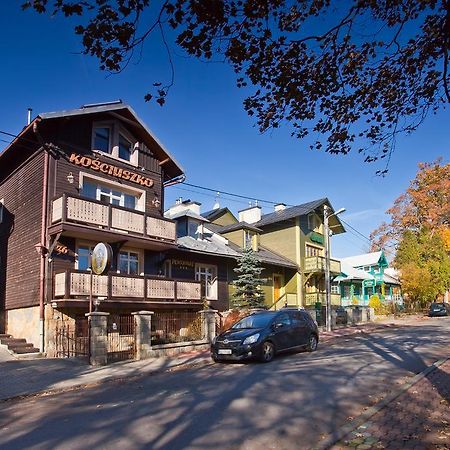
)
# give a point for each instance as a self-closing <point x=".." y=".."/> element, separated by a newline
<point x="251" y="339"/>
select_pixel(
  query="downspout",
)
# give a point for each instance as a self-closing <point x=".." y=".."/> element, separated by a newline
<point x="43" y="241"/>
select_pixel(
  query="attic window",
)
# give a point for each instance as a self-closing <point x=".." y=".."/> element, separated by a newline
<point x="113" y="139"/>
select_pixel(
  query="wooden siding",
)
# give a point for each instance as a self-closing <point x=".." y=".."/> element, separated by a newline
<point x="22" y="194"/>
<point x="280" y="239"/>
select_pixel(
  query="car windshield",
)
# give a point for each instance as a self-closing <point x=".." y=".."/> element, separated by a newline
<point x="437" y="305"/>
<point x="253" y="321"/>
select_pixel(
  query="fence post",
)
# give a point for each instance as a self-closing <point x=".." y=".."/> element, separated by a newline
<point x="98" y="338"/>
<point x="209" y="323"/>
<point x="143" y="334"/>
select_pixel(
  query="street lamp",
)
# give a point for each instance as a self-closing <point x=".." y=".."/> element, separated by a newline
<point x="326" y="229"/>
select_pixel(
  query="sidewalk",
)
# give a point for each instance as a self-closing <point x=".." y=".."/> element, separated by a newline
<point x="47" y="375"/>
<point x="418" y="418"/>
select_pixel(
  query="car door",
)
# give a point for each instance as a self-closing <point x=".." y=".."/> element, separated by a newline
<point x="300" y="328"/>
<point x="282" y="331"/>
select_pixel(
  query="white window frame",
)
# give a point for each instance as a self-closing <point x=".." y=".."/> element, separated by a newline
<point x="335" y="288"/>
<point x="116" y="129"/>
<point x="210" y="287"/>
<point x="140" y="261"/>
<point x="246" y="240"/>
<point x="79" y="244"/>
<point x="138" y="193"/>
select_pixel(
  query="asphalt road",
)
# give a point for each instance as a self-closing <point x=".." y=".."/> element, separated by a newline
<point x="290" y="403"/>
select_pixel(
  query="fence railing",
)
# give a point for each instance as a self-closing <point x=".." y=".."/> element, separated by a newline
<point x="171" y="327"/>
<point x="69" y="208"/>
<point x="317" y="264"/>
<point x="311" y="298"/>
<point x="72" y="284"/>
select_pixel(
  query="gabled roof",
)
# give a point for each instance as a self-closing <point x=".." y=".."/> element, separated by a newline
<point x="206" y="246"/>
<point x="350" y="273"/>
<point x="300" y="210"/>
<point x="120" y="111"/>
<point x="239" y="226"/>
<point x="185" y="213"/>
<point x="366" y="259"/>
<point x="215" y="213"/>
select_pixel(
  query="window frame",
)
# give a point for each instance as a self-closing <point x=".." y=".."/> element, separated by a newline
<point x="129" y="251"/>
<point x="128" y="190"/>
<point x="117" y="130"/>
<point x="211" y="288"/>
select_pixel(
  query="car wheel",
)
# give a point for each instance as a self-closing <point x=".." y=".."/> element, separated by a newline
<point x="267" y="352"/>
<point x="312" y="343"/>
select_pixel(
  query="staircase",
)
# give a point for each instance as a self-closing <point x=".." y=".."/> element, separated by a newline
<point x="17" y="346"/>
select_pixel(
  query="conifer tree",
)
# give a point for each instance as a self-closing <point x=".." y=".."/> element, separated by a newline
<point x="248" y="293"/>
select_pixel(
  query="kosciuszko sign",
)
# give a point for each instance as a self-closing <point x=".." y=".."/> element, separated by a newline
<point x="101" y="258"/>
<point x="110" y="169"/>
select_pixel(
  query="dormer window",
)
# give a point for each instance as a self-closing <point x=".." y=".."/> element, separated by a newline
<point x="113" y="139"/>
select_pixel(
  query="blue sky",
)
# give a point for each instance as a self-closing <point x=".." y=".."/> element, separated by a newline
<point x="204" y="126"/>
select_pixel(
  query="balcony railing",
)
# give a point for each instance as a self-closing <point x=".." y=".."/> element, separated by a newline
<point x="76" y="284"/>
<point x="312" y="297"/>
<point x="73" y="209"/>
<point x="317" y="264"/>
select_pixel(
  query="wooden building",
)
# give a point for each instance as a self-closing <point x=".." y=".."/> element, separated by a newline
<point x="72" y="179"/>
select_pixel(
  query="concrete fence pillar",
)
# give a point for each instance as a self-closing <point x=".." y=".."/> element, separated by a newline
<point x="98" y="338"/>
<point x="143" y="334"/>
<point x="333" y="317"/>
<point x="209" y="323"/>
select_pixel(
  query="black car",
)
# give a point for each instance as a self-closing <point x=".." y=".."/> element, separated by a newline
<point x="263" y="334"/>
<point x="439" y="309"/>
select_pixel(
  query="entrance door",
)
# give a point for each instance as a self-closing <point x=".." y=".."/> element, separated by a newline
<point x="277" y="283"/>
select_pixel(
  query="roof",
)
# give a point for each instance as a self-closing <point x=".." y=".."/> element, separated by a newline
<point x="185" y="213"/>
<point x="300" y="210"/>
<point x="367" y="259"/>
<point x="206" y="246"/>
<point x="350" y="273"/>
<point x="238" y="226"/>
<point x="215" y="213"/>
<point x="123" y="112"/>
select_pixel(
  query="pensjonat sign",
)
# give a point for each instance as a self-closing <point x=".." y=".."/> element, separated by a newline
<point x="110" y="169"/>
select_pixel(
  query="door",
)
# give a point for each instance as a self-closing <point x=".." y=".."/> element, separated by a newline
<point x="283" y="332"/>
<point x="277" y="283"/>
<point x="207" y="274"/>
<point x="300" y="327"/>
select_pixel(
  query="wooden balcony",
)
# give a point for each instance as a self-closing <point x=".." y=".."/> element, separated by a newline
<point x="312" y="297"/>
<point x="317" y="264"/>
<point x="124" y="288"/>
<point x="71" y="213"/>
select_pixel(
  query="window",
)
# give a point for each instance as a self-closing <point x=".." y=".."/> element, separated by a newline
<point x="346" y="291"/>
<point x="125" y="148"/>
<point x="84" y="252"/>
<point x="207" y="274"/>
<point x="193" y="228"/>
<point x="106" y="194"/>
<point x="102" y="139"/>
<point x="113" y="139"/>
<point x="128" y="263"/>
<point x="335" y="288"/>
<point x="283" y="319"/>
<point x="167" y="268"/>
<point x="313" y="251"/>
<point x="248" y="239"/>
<point x="313" y="222"/>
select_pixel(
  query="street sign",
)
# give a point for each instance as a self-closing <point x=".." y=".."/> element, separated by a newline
<point x="101" y="258"/>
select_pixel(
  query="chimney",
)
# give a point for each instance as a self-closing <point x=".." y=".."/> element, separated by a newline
<point x="183" y="205"/>
<point x="251" y="214"/>
<point x="29" y="116"/>
<point x="279" y="207"/>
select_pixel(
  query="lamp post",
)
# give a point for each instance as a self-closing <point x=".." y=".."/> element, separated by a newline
<point x="326" y="229"/>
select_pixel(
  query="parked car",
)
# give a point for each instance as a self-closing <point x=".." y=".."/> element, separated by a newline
<point x="263" y="334"/>
<point x="439" y="309"/>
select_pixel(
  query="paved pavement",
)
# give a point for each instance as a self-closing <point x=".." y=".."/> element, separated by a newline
<point x="419" y="418"/>
<point x="22" y="377"/>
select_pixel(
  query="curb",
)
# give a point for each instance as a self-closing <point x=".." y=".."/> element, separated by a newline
<point x="368" y="413"/>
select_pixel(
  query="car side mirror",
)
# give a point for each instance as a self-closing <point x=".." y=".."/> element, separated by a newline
<point x="276" y="326"/>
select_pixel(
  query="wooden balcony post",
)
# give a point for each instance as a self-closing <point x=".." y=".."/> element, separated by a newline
<point x="67" y="284"/>
<point x="175" y="291"/>
<point x="109" y="216"/>
<point x="64" y="209"/>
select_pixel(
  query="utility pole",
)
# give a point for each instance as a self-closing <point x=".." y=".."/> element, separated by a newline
<point x="326" y="230"/>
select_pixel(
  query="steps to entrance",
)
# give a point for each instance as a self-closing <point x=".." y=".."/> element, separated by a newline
<point x="17" y="346"/>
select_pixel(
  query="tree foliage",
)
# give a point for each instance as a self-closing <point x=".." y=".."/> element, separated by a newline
<point x="424" y="206"/>
<point x="424" y="265"/>
<point x="248" y="293"/>
<point x="352" y="74"/>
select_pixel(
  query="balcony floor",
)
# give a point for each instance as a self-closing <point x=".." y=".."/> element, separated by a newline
<point x="98" y="234"/>
<point x="129" y="304"/>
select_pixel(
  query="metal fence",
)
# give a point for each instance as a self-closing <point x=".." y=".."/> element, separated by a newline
<point x="120" y="338"/>
<point x="172" y="327"/>
<point x="72" y="341"/>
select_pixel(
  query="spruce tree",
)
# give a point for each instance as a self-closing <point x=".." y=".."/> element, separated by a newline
<point x="248" y="294"/>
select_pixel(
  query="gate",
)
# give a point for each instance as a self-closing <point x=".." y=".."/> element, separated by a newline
<point x="72" y="342"/>
<point x="120" y="338"/>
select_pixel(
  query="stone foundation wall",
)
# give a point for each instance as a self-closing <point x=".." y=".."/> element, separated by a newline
<point x="24" y="323"/>
<point x="54" y="321"/>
